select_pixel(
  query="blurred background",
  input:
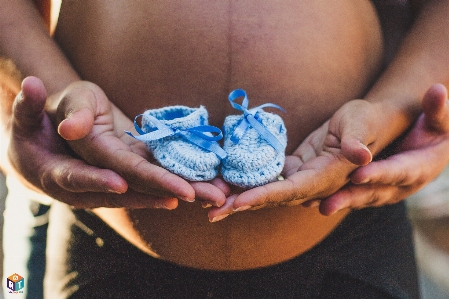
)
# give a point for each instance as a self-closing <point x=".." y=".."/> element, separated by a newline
<point x="429" y="212"/>
<point x="3" y="192"/>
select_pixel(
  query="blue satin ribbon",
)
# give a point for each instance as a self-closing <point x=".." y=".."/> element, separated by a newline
<point x="250" y="119"/>
<point x="196" y="135"/>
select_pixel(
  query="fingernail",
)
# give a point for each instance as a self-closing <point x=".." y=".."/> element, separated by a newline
<point x="218" y="218"/>
<point x="206" y="205"/>
<point x="365" y="147"/>
<point x="364" y="181"/>
<point x="333" y="212"/>
<point x="113" y="191"/>
<point x="164" y="206"/>
<point x="242" y="208"/>
<point x="187" y="199"/>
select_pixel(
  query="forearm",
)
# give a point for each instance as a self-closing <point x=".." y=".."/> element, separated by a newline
<point x="25" y="43"/>
<point x="25" y="39"/>
<point x="421" y="61"/>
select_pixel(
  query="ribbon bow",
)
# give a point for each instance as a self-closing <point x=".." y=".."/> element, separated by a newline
<point x="196" y="135"/>
<point x="250" y="119"/>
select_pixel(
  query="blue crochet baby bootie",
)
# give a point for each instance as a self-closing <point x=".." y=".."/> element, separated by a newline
<point x="182" y="141"/>
<point x="255" y="144"/>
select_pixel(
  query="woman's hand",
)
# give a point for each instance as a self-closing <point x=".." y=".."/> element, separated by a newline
<point x="319" y="167"/>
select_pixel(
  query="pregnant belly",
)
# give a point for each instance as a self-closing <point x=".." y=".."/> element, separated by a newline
<point x="310" y="57"/>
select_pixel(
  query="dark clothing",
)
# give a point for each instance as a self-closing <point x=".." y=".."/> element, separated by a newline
<point x="369" y="255"/>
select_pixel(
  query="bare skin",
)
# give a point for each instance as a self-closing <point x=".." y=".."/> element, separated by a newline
<point x="309" y="70"/>
<point x="278" y="54"/>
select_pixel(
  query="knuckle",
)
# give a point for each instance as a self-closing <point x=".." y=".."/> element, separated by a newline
<point x="67" y="179"/>
<point x="47" y="182"/>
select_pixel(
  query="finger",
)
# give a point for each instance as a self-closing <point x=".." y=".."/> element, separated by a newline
<point x="145" y="177"/>
<point x="292" y="165"/>
<point x="209" y="193"/>
<point x="362" y="196"/>
<point x="83" y="186"/>
<point x="104" y="149"/>
<point x="217" y="214"/>
<point x="29" y="104"/>
<point x="112" y="153"/>
<point x="402" y="169"/>
<point x="77" y="124"/>
<point x="76" y="176"/>
<point x="76" y="113"/>
<point x="222" y="185"/>
<point x="316" y="179"/>
<point x="355" y="151"/>
<point x="346" y="198"/>
<point x="296" y="187"/>
<point x="390" y="171"/>
<point x="436" y="110"/>
<point x="131" y="200"/>
<point x="353" y="131"/>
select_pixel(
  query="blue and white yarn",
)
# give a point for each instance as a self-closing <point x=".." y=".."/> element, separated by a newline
<point x="255" y="151"/>
<point x="181" y="141"/>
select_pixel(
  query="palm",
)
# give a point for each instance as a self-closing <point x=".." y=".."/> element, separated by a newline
<point x="95" y="130"/>
<point x="316" y="169"/>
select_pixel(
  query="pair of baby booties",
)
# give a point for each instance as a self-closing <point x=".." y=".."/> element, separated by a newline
<point x="183" y="142"/>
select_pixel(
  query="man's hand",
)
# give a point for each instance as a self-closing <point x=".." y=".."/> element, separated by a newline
<point x="418" y="158"/>
<point x="94" y="128"/>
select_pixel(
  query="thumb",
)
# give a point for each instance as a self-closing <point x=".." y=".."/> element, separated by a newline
<point x="355" y="150"/>
<point x="28" y="109"/>
<point x="355" y="130"/>
<point x="353" y="141"/>
<point x="76" y="112"/>
<point x="436" y="109"/>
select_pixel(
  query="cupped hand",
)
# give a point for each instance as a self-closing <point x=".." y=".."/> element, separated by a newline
<point x="319" y="166"/>
<point x="418" y="158"/>
<point x="331" y="168"/>
<point x="95" y="129"/>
